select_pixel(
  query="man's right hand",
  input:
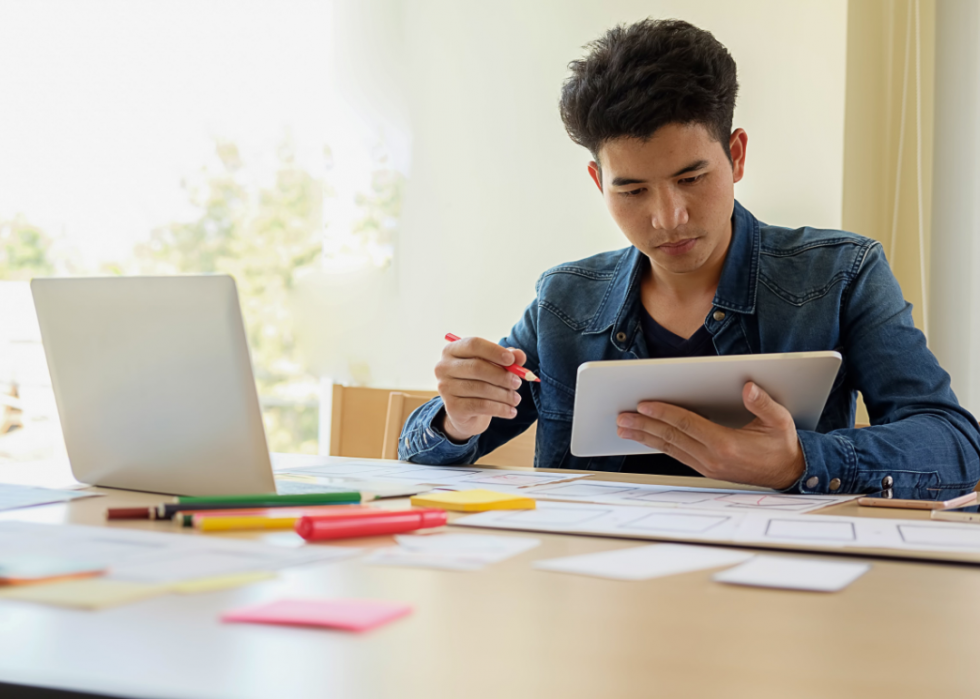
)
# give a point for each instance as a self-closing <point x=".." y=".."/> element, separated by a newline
<point x="475" y="386"/>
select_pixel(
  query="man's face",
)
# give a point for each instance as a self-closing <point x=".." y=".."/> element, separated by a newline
<point x="672" y="195"/>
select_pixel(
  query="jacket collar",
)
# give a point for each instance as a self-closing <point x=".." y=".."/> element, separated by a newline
<point x="736" y="289"/>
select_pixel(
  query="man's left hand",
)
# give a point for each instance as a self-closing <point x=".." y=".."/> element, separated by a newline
<point x="765" y="452"/>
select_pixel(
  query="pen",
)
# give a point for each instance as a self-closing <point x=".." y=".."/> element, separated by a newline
<point x="392" y="522"/>
<point x="525" y="374"/>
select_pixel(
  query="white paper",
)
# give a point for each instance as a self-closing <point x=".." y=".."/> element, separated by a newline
<point x="454" y="477"/>
<point x="156" y="557"/>
<point x="15" y="496"/>
<point x="794" y="573"/>
<point x="613" y="493"/>
<point x="645" y="562"/>
<point x="451" y="551"/>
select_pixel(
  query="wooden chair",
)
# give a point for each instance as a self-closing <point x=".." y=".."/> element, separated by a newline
<point x="357" y="421"/>
<point x="517" y="452"/>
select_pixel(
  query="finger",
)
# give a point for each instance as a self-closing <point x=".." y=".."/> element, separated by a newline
<point x="478" y="370"/>
<point x="481" y="389"/>
<point x="654" y="442"/>
<point x="764" y="407"/>
<point x="478" y="348"/>
<point x="669" y="438"/>
<point x="470" y="407"/>
<point x="684" y="421"/>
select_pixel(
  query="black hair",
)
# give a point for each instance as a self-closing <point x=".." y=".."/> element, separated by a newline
<point x="638" y="78"/>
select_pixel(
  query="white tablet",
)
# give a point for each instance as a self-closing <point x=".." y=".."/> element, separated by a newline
<point x="709" y="386"/>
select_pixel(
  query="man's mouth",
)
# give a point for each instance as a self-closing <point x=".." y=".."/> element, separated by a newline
<point x="678" y="247"/>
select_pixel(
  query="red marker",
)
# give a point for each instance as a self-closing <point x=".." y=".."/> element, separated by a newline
<point x="525" y="374"/>
<point x="395" y="522"/>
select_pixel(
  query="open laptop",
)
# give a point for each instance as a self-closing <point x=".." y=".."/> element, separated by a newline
<point x="154" y="385"/>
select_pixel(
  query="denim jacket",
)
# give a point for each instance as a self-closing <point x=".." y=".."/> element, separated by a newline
<point x="780" y="290"/>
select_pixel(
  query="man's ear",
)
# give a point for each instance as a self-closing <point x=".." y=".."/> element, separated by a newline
<point x="596" y="173"/>
<point x="737" y="144"/>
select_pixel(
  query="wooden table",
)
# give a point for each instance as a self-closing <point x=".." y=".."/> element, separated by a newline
<point x="903" y="629"/>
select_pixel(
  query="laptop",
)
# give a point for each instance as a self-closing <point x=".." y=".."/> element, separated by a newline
<point x="154" y="386"/>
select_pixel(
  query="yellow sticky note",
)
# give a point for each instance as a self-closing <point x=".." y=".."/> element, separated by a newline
<point x="91" y="593"/>
<point x="222" y="582"/>
<point x="473" y="501"/>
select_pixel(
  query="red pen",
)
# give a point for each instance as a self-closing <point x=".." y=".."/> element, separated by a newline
<point x="395" y="522"/>
<point x="525" y="374"/>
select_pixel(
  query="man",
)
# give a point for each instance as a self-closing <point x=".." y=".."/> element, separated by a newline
<point x="653" y="103"/>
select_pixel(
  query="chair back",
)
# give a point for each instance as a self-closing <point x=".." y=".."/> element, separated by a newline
<point x="357" y="421"/>
<point x="517" y="452"/>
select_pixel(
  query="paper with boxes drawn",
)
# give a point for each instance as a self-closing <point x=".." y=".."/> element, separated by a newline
<point x="735" y="527"/>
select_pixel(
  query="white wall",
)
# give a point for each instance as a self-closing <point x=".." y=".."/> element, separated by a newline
<point x="497" y="193"/>
<point x="955" y="336"/>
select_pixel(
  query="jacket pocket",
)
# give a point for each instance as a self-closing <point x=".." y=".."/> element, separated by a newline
<point x="554" y="400"/>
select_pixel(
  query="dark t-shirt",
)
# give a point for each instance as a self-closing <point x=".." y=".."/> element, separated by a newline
<point x="662" y="344"/>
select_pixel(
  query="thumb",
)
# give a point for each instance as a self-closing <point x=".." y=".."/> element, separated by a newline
<point x="520" y="358"/>
<point x="761" y="404"/>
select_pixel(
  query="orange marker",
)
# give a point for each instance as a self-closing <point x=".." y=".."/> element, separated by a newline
<point x="525" y="374"/>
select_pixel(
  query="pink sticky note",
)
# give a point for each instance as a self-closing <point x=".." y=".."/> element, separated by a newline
<point x="347" y="614"/>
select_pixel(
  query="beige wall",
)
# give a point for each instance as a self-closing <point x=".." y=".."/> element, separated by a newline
<point x="878" y="40"/>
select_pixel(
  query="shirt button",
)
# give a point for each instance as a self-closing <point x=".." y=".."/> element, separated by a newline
<point x="887" y="482"/>
<point x="835" y="484"/>
<point x="621" y="337"/>
<point x="718" y="315"/>
<point x="812" y="482"/>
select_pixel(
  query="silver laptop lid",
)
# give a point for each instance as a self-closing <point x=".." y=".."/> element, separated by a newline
<point x="154" y="384"/>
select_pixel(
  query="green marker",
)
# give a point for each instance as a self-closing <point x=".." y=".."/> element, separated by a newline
<point x="272" y="500"/>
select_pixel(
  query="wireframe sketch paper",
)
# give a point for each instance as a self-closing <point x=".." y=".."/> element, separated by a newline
<point x="778" y="530"/>
<point x="794" y="573"/>
<point x="645" y="562"/>
<point x="613" y="493"/>
<point x="635" y="522"/>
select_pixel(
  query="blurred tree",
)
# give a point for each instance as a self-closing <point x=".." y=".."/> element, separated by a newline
<point x="24" y="250"/>
<point x="262" y="236"/>
<point x="266" y="237"/>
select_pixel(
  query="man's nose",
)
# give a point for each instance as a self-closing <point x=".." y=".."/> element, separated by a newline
<point x="668" y="212"/>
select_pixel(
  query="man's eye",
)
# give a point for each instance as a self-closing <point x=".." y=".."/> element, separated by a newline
<point x="691" y="180"/>
<point x="632" y="192"/>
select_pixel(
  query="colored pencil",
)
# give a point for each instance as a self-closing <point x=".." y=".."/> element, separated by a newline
<point x="261" y="500"/>
<point x="169" y="510"/>
<point x="190" y="518"/>
<point x="210" y="522"/>
<point x="525" y="374"/>
<point x="131" y="513"/>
